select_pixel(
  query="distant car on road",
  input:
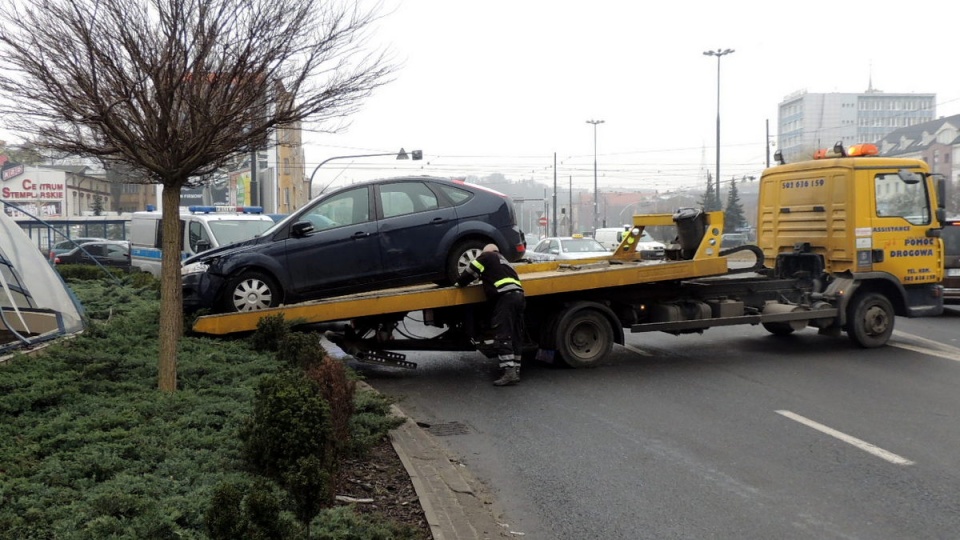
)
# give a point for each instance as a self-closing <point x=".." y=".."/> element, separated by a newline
<point x="566" y="248"/>
<point x="68" y="245"/>
<point x="647" y="247"/>
<point x="733" y="240"/>
<point x="373" y="235"/>
<point x="110" y="253"/>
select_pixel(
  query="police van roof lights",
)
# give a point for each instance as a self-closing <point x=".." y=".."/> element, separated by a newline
<point x="226" y="209"/>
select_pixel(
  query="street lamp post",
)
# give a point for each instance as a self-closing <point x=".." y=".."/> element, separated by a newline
<point x="596" y="211"/>
<point x="719" y="53"/>
<point x="402" y="154"/>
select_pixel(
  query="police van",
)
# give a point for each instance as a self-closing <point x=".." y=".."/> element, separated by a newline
<point x="202" y="228"/>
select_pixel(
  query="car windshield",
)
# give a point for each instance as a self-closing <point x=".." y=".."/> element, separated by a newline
<point x="582" y="245"/>
<point x="230" y="232"/>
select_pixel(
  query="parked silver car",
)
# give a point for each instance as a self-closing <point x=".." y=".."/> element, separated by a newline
<point x="565" y="248"/>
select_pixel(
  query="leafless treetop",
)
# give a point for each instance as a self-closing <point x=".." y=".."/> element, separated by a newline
<point x="175" y="87"/>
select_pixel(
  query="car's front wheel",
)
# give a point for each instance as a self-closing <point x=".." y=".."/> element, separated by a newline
<point x="251" y="291"/>
<point x="460" y="257"/>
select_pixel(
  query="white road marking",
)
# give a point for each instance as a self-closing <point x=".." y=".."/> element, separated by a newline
<point x="636" y="350"/>
<point x="863" y="445"/>
<point x="930" y="352"/>
<point x="936" y="348"/>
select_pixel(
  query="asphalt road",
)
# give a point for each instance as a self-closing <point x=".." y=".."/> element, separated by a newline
<point x="731" y="434"/>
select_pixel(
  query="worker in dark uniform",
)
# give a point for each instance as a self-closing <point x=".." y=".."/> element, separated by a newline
<point x="505" y="293"/>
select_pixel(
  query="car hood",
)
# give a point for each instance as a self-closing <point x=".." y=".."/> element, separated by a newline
<point x="230" y="249"/>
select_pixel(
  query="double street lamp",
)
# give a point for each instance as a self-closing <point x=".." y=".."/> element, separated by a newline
<point x="719" y="53"/>
<point x="596" y="211"/>
<point x="402" y="154"/>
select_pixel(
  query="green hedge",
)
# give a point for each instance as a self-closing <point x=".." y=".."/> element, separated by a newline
<point x="90" y="449"/>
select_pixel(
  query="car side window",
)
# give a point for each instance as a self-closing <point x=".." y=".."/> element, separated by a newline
<point x="402" y="198"/>
<point x="347" y="208"/>
<point x="456" y="195"/>
<point x="116" y="252"/>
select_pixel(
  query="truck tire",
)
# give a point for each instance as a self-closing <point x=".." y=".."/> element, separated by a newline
<point x="459" y="257"/>
<point x="870" y="319"/>
<point x="584" y="338"/>
<point x="250" y="291"/>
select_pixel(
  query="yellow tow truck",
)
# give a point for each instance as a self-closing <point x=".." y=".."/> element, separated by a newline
<point x="845" y="242"/>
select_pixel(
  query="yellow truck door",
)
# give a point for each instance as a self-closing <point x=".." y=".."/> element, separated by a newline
<point x="896" y="241"/>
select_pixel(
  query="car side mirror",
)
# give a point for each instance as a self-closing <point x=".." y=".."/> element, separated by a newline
<point x="301" y="229"/>
<point x="203" y="245"/>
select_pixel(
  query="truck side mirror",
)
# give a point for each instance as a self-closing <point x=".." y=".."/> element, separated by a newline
<point x="908" y="177"/>
<point x="203" y="245"/>
<point x="941" y="194"/>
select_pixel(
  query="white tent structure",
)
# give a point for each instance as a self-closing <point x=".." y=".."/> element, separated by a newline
<point x="35" y="303"/>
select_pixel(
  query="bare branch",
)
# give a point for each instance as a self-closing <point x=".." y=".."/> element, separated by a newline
<point x="176" y="87"/>
<point x="173" y="89"/>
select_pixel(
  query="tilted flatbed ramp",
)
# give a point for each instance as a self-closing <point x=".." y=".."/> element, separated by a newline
<point x="538" y="279"/>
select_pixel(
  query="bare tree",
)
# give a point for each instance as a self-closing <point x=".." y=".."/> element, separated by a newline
<point x="175" y="88"/>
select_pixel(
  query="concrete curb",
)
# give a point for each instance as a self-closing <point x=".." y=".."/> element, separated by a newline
<point x="456" y="507"/>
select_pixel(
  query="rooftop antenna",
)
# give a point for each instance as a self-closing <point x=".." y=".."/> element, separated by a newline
<point x="870" y="88"/>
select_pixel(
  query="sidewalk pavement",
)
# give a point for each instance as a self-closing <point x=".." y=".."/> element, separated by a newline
<point x="456" y="506"/>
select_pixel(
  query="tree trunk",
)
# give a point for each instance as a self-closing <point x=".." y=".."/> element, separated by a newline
<point x="171" y="295"/>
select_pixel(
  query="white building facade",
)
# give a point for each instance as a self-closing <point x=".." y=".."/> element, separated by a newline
<point x="52" y="191"/>
<point x="810" y="121"/>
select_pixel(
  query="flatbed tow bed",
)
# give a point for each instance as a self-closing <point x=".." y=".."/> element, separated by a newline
<point x="539" y="279"/>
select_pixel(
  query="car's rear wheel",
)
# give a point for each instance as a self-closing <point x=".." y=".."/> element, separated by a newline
<point x="251" y="291"/>
<point x="460" y="257"/>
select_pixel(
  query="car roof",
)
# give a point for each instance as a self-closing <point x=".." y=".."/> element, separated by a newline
<point x="72" y="241"/>
<point x="428" y="178"/>
<point x="106" y="242"/>
<point x="562" y="238"/>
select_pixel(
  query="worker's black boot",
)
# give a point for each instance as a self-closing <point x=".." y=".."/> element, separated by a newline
<point x="510" y="376"/>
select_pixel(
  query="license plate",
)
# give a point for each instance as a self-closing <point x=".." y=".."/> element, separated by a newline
<point x="953" y="272"/>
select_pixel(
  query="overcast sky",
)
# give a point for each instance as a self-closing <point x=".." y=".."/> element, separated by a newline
<point x="502" y="85"/>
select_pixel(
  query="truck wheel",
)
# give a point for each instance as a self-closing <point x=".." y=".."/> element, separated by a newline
<point x="459" y="258"/>
<point x="778" y="328"/>
<point x="584" y="338"/>
<point x="250" y="291"/>
<point x="870" y="320"/>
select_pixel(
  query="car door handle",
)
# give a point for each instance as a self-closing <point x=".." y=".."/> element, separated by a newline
<point x="438" y="220"/>
<point x="360" y="234"/>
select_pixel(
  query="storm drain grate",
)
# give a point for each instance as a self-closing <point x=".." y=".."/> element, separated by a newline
<point x="449" y="428"/>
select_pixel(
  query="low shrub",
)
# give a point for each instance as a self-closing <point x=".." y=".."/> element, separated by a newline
<point x="90" y="449"/>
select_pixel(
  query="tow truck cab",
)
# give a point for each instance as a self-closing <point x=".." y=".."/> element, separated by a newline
<point x="848" y="212"/>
